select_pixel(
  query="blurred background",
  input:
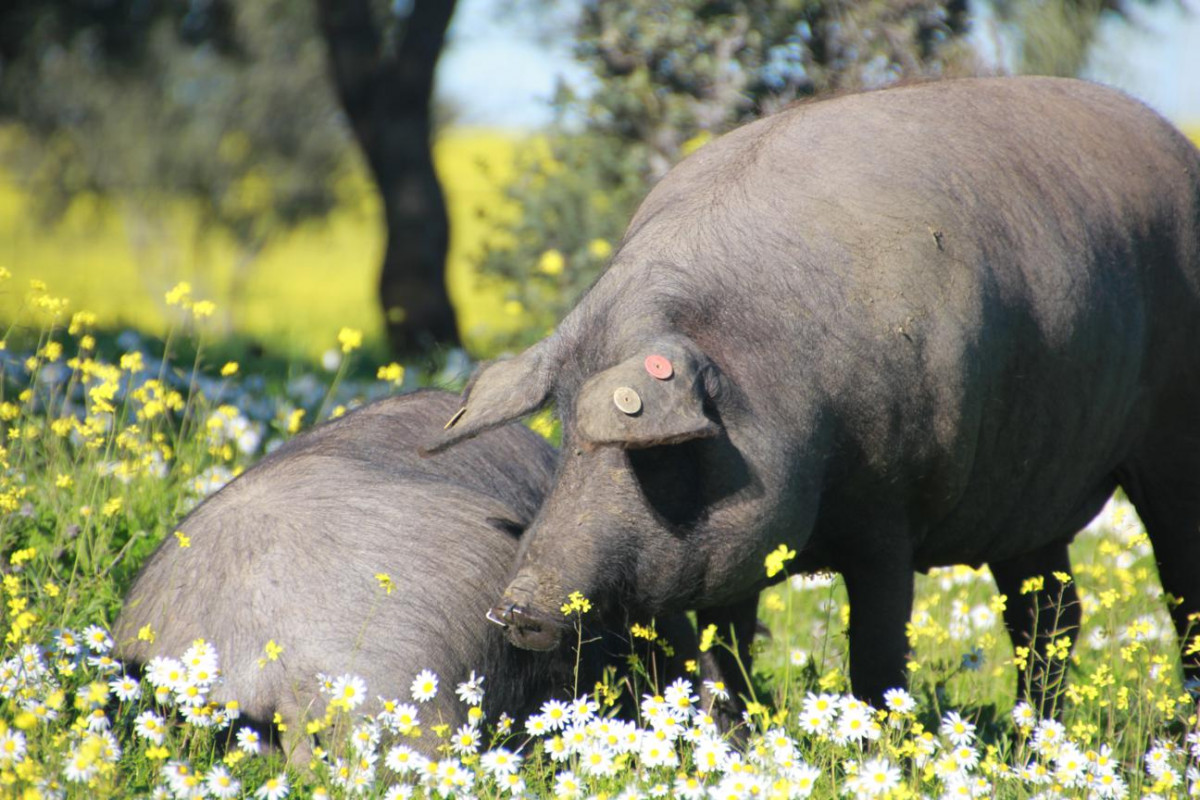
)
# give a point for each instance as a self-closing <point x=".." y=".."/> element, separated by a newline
<point x="439" y="174"/>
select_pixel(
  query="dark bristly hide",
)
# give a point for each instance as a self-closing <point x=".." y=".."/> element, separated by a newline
<point x="289" y="552"/>
<point x="922" y="326"/>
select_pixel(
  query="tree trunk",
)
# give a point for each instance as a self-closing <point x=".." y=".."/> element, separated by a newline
<point x="386" y="87"/>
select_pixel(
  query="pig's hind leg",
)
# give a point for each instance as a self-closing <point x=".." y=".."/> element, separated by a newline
<point x="1042" y="615"/>
<point x="1162" y="479"/>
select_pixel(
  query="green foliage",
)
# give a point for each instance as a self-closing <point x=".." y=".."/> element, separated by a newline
<point x="568" y="205"/>
<point x="1054" y="36"/>
<point x="247" y="127"/>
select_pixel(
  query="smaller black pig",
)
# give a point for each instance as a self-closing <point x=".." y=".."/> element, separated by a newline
<point x="290" y="552"/>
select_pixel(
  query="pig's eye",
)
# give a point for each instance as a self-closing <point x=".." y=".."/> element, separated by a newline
<point x="671" y="480"/>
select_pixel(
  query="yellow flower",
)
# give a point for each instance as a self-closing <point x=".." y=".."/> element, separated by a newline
<point x="1021" y="657"/>
<point x="179" y="294"/>
<point x="1034" y="584"/>
<point x="551" y="262"/>
<point x="542" y="424"/>
<point x="831" y="680"/>
<point x="204" y="308"/>
<point x="514" y="308"/>
<point x="230" y="368"/>
<point x="51" y="588"/>
<point x="576" y="602"/>
<point x="707" y="637"/>
<point x="385" y="582"/>
<point x="146" y="634"/>
<point x="81" y="320"/>
<point x="393" y="373"/>
<point x="293" y="423"/>
<point x="777" y="558"/>
<point x="158" y="753"/>
<point x="184" y="539"/>
<point x="1059" y="648"/>
<point x="132" y="362"/>
<point x="21" y="556"/>
<point x="112" y="507"/>
<point x="272" y="651"/>
<point x="695" y="143"/>
<point x="64" y="481"/>
<point x="642" y="632"/>
<point x="350" y="339"/>
<point x="599" y="249"/>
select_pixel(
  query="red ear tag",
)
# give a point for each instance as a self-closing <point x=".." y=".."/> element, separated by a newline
<point x="659" y="367"/>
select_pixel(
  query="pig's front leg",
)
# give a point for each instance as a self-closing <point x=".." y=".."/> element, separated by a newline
<point x="880" y="590"/>
<point x="724" y="684"/>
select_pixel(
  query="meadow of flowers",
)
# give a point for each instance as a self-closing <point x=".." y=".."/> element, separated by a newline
<point x="102" y="453"/>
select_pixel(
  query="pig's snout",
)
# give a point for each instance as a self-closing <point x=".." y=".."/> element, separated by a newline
<point x="524" y="627"/>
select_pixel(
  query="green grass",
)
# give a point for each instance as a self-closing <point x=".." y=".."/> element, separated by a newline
<point x="96" y="476"/>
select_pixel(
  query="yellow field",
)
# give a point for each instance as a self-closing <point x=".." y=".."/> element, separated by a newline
<point x="294" y="297"/>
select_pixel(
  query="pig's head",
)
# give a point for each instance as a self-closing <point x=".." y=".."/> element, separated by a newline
<point x="645" y="460"/>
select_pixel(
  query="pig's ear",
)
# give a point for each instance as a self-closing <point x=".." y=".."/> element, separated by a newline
<point x="653" y="399"/>
<point x="500" y="392"/>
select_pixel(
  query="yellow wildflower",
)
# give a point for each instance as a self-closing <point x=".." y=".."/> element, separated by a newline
<point x="695" y="143"/>
<point x="599" y="249"/>
<point x="1034" y="584"/>
<point x="272" y="651"/>
<point x="643" y="632"/>
<point x="21" y="556"/>
<point x="350" y="339"/>
<point x="576" y="602"/>
<point x="551" y="262"/>
<point x="393" y="373"/>
<point x="132" y="362"/>
<point x="777" y="558"/>
<point x="179" y="294"/>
